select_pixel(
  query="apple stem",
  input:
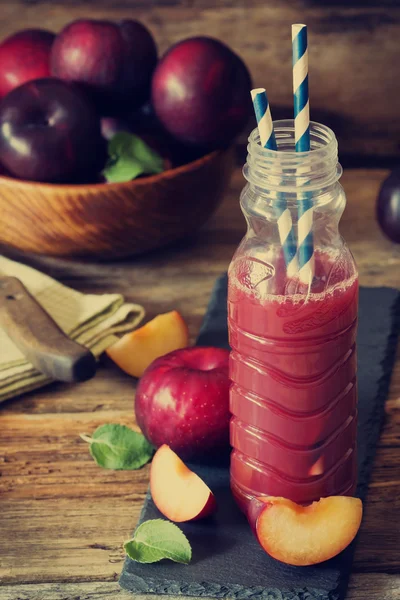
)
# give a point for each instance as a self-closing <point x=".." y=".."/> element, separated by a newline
<point x="86" y="438"/>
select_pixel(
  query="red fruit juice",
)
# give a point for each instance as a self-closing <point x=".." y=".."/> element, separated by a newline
<point x="293" y="370"/>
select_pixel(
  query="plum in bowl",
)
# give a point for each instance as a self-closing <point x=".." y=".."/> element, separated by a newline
<point x="53" y="147"/>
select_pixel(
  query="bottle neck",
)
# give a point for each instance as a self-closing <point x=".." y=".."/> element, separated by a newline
<point x="296" y="174"/>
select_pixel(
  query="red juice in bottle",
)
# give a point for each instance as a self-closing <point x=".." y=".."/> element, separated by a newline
<point x="293" y="362"/>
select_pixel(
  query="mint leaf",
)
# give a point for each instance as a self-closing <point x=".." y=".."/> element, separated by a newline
<point x="122" y="170"/>
<point x="157" y="539"/>
<point x="118" y="447"/>
<point x="129" y="157"/>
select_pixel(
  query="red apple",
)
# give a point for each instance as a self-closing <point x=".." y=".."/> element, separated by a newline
<point x="201" y="92"/>
<point x="305" y="535"/>
<point x="178" y="493"/>
<point x="24" y="56"/>
<point x="183" y="400"/>
<point x="50" y="132"/>
<point x="113" y="61"/>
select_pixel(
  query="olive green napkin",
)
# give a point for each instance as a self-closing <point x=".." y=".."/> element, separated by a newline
<point x="90" y="319"/>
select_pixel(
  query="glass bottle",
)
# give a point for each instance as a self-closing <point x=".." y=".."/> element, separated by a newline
<point x="293" y="362"/>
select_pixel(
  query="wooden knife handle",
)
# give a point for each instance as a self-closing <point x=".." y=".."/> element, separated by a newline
<point x="39" y="337"/>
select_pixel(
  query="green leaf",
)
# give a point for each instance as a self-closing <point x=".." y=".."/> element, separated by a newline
<point x="129" y="157"/>
<point x="157" y="539"/>
<point x="118" y="447"/>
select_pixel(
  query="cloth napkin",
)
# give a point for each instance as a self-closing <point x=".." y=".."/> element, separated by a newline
<point x="90" y="319"/>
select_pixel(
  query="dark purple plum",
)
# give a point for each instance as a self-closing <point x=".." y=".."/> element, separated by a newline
<point x="50" y="132"/>
<point x="24" y="56"/>
<point x="388" y="207"/>
<point x="201" y="92"/>
<point x="113" y="61"/>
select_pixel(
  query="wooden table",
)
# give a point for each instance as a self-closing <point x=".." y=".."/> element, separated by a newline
<point x="63" y="519"/>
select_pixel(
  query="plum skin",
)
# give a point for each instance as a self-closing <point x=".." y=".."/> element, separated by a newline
<point x="388" y="207"/>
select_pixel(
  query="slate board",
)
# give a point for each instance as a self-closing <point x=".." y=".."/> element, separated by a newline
<point x="227" y="560"/>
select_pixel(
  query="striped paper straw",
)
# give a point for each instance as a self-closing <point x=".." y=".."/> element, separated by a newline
<point x="284" y="218"/>
<point x="302" y="144"/>
<point x="264" y="118"/>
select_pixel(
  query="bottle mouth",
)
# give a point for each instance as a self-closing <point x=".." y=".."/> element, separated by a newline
<point x="287" y="170"/>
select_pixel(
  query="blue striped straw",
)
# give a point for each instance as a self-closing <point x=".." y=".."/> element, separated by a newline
<point x="302" y="144"/>
<point x="284" y="218"/>
<point x="264" y="118"/>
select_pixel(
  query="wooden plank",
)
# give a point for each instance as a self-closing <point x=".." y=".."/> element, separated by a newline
<point x="201" y="4"/>
<point x="69" y="539"/>
<point x="69" y="517"/>
<point x="354" y="78"/>
<point x="378" y="587"/>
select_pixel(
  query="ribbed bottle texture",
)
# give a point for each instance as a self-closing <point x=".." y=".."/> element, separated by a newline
<point x="294" y="393"/>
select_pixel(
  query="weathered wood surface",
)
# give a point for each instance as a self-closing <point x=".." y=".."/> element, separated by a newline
<point x="378" y="587"/>
<point x="354" y="66"/>
<point x="63" y="519"/>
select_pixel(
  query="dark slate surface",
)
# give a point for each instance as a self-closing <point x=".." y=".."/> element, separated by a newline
<point x="227" y="560"/>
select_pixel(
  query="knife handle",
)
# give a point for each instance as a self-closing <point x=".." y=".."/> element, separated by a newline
<point x="39" y="337"/>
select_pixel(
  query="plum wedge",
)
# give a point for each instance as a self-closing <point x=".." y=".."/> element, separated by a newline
<point x="305" y="535"/>
<point x="178" y="492"/>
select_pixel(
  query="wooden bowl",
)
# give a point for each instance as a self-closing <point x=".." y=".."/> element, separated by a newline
<point x="112" y="220"/>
